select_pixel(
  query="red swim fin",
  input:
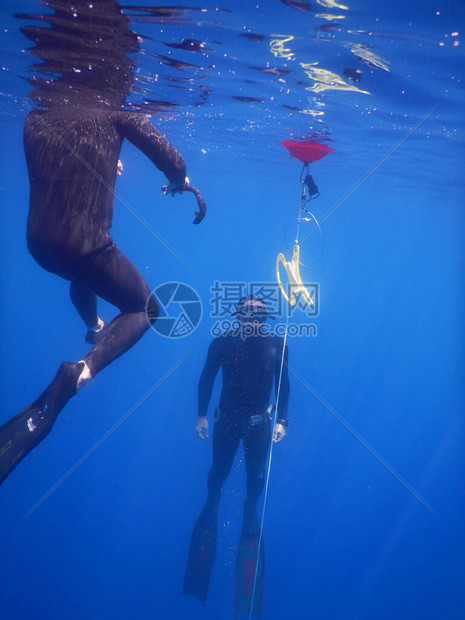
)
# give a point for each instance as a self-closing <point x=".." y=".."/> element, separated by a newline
<point x="250" y="570"/>
<point x="201" y="558"/>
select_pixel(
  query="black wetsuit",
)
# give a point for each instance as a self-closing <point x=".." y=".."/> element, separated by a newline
<point x="72" y="155"/>
<point x="249" y="367"/>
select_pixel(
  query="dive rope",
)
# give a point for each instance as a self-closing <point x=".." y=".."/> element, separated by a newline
<point x="296" y="287"/>
<point x="268" y="470"/>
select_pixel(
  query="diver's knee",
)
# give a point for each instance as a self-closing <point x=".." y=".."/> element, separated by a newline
<point x="151" y="309"/>
<point x="256" y="482"/>
<point x="215" y="482"/>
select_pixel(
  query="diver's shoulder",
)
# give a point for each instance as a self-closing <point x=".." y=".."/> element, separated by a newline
<point x="224" y="338"/>
<point x="220" y="345"/>
<point x="36" y="115"/>
<point x="218" y="341"/>
<point x="72" y="116"/>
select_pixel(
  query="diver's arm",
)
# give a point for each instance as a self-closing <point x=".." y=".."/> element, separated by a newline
<point x="207" y="378"/>
<point x="206" y="381"/>
<point x="284" y="391"/>
<point x="137" y="128"/>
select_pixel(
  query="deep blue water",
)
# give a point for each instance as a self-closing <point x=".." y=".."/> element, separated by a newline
<point x="350" y="532"/>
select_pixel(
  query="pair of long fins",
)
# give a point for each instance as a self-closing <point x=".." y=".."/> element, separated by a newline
<point x="249" y="569"/>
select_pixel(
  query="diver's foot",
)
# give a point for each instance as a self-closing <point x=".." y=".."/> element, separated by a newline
<point x="64" y="385"/>
<point x="94" y="334"/>
<point x="26" y="430"/>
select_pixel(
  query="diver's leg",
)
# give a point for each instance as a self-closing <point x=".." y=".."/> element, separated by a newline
<point x="26" y="430"/>
<point x="202" y="548"/>
<point x="85" y="302"/>
<point x="111" y="276"/>
<point x="256" y="445"/>
<point x="225" y="443"/>
<point x="250" y="565"/>
<point x="23" y="432"/>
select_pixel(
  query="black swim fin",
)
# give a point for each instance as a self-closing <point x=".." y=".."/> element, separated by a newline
<point x="250" y="567"/>
<point x="201" y="558"/>
<point x="26" y="430"/>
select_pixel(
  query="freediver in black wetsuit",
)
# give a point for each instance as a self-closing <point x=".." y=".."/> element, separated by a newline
<point x="72" y="147"/>
<point x="250" y="362"/>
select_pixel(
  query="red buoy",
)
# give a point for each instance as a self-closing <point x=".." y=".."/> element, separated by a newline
<point x="307" y="150"/>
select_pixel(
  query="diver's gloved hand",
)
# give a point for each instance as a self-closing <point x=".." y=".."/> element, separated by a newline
<point x="279" y="432"/>
<point x="202" y="427"/>
<point x="175" y="189"/>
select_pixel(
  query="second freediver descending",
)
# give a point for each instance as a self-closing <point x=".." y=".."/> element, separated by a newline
<point x="70" y="215"/>
<point x="250" y="360"/>
<point x="72" y="145"/>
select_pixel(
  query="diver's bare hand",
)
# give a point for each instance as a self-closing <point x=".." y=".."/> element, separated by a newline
<point x="279" y="432"/>
<point x="202" y="427"/>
